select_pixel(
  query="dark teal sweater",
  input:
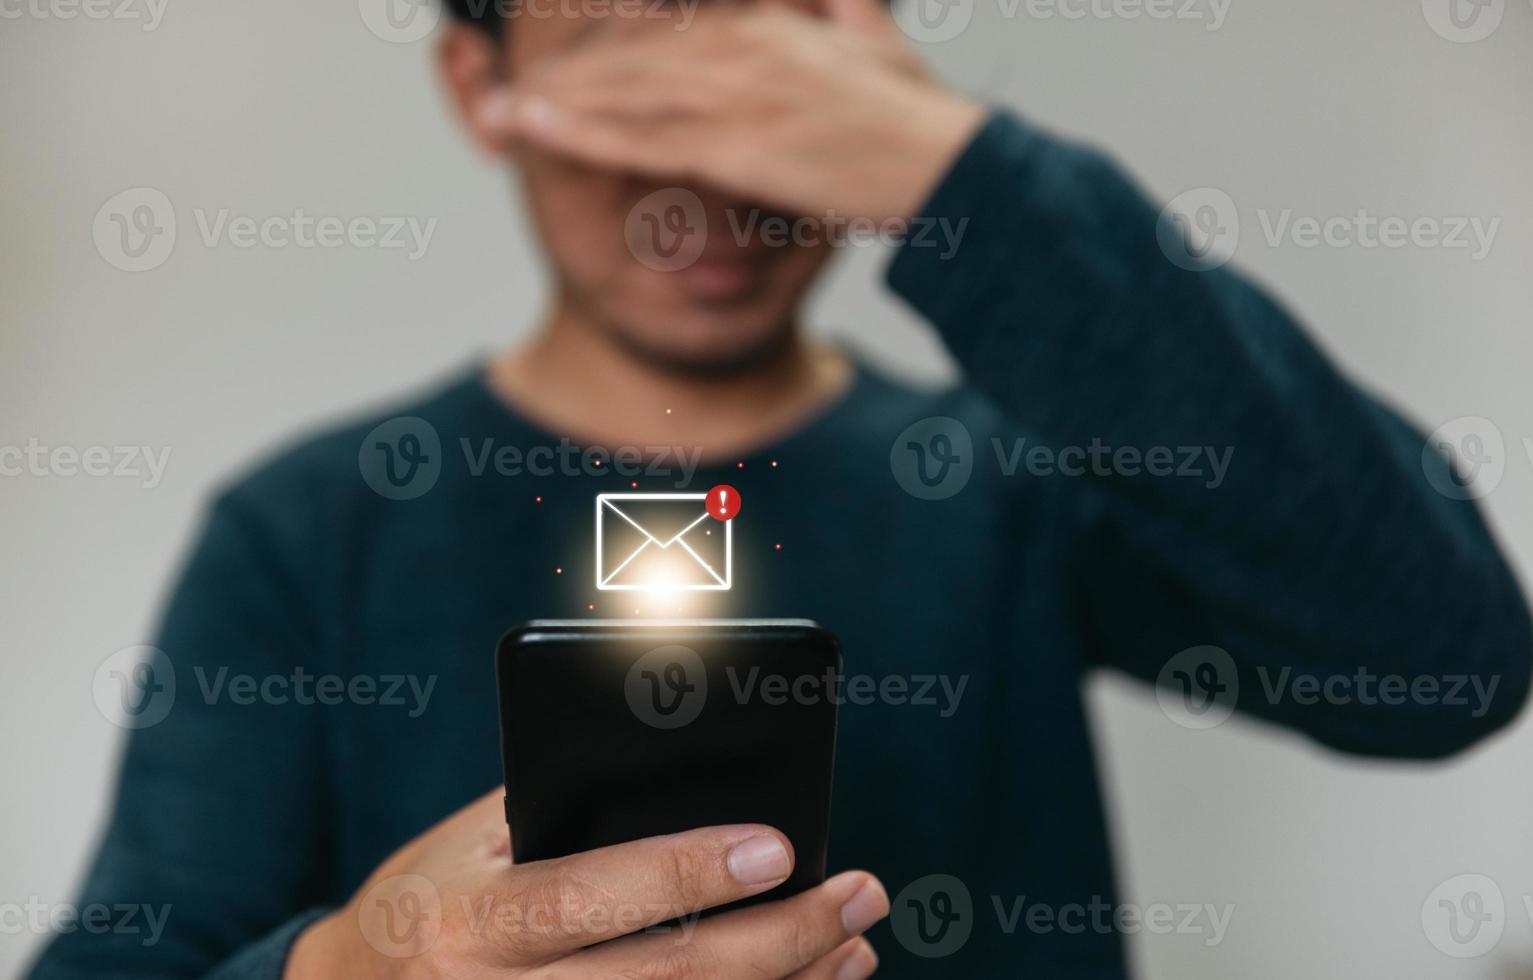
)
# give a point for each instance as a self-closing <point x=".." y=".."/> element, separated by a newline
<point x="1319" y="548"/>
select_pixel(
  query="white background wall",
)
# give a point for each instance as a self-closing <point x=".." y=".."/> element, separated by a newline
<point x="261" y="108"/>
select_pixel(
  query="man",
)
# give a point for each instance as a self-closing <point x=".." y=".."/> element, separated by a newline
<point x="284" y="837"/>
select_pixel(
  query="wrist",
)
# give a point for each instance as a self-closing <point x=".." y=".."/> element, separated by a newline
<point x="950" y="124"/>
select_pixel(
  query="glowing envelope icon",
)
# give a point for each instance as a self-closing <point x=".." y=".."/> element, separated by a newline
<point x="660" y="542"/>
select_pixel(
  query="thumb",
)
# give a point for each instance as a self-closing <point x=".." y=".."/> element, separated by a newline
<point x="862" y="16"/>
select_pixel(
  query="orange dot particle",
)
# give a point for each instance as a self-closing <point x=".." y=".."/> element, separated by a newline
<point x="558" y="571"/>
<point x="634" y="484"/>
<point x="739" y="466"/>
<point x="591" y="606"/>
<point x="777" y="547"/>
<point x="774" y="464"/>
<point x="668" y="411"/>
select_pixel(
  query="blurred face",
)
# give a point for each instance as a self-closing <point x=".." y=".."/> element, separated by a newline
<point x="673" y="271"/>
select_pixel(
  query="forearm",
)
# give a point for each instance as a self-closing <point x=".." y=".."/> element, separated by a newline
<point x="1304" y="534"/>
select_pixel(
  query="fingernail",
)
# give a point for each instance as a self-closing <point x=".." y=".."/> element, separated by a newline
<point x="865" y="908"/>
<point x="759" y="860"/>
<point x="860" y="965"/>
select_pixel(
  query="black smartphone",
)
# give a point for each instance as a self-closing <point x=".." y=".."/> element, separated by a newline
<point x="613" y="731"/>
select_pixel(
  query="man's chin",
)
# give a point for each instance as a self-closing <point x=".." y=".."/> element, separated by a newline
<point x="707" y="343"/>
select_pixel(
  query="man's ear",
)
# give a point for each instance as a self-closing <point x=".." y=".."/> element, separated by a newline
<point x="473" y="71"/>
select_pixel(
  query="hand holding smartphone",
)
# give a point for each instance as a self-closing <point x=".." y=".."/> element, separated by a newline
<point x="452" y="902"/>
<point x="653" y="772"/>
<point x="614" y="731"/>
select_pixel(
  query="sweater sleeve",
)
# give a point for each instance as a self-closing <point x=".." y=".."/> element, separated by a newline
<point x="1352" y="598"/>
<point x="216" y="836"/>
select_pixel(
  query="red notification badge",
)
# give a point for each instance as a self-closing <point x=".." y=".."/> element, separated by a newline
<point x="723" y="502"/>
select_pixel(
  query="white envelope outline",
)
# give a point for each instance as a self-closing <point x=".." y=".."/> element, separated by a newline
<point x="714" y="582"/>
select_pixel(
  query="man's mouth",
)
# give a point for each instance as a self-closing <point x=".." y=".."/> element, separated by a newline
<point x="722" y="278"/>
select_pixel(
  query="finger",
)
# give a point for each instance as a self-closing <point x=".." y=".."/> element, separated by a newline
<point x="652" y="74"/>
<point x="554" y="907"/>
<point x="654" y="149"/>
<point x="776" y="939"/>
<point x="620" y="62"/>
<point x="853" y="960"/>
<point x="863" y="16"/>
<point x="652" y="88"/>
<point x="663" y="93"/>
<point x="682" y="148"/>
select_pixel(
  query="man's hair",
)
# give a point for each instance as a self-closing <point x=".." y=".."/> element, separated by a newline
<point x="484" y="14"/>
